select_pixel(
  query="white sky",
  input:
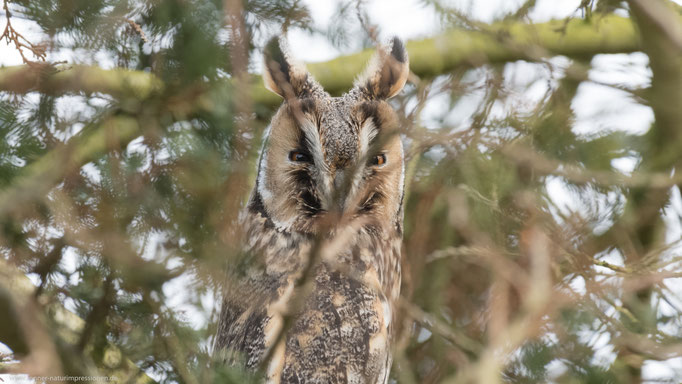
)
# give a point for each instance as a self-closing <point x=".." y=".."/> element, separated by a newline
<point x="597" y="107"/>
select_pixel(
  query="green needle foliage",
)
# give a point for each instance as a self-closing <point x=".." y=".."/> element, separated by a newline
<point x="124" y="168"/>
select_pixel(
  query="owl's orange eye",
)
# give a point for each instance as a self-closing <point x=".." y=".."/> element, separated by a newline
<point x="378" y="159"/>
<point x="299" y="157"/>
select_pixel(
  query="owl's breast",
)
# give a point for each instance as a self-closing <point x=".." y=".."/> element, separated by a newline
<point x="329" y="324"/>
<point x="342" y="335"/>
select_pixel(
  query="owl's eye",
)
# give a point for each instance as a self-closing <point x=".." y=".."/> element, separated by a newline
<point x="299" y="157"/>
<point x="379" y="159"/>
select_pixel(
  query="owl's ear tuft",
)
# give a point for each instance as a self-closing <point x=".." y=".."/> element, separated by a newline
<point x="386" y="73"/>
<point x="282" y="74"/>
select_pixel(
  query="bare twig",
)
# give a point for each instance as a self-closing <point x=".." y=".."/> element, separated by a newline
<point x="441" y="328"/>
<point x="138" y="29"/>
<point x="11" y="35"/>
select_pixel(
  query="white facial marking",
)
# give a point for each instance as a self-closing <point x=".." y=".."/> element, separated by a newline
<point x="368" y="131"/>
<point x="401" y="184"/>
<point x="264" y="192"/>
<point x="312" y="136"/>
<point x="387" y="312"/>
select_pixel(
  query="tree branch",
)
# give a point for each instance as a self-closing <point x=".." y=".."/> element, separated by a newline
<point x="430" y="57"/>
<point x="62" y="79"/>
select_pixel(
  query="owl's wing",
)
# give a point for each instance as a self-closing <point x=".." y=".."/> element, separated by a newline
<point x="245" y="314"/>
<point x="253" y="289"/>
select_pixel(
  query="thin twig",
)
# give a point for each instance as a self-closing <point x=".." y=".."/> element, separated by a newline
<point x="11" y="35"/>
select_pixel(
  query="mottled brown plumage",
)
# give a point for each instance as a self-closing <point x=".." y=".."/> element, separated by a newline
<point x="329" y="191"/>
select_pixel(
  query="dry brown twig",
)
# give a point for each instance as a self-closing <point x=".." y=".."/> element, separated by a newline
<point x="11" y="35"/>
<point x="138" y="29"/>
<point x="371" y="29"/>
<point x="437" y="326"/>
<point x="540" y="163"/>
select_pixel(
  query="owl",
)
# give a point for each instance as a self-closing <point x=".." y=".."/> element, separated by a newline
<point x="314" y="298"/>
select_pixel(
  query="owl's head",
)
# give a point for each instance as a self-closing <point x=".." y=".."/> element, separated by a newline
<point x="329" y="157"/>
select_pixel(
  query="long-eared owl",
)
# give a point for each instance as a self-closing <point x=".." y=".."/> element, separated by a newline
<point x="313" y="299"/>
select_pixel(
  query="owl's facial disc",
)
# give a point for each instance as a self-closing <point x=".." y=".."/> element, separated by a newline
<point x="336" y="158"/>
<point x="328" y="157"/>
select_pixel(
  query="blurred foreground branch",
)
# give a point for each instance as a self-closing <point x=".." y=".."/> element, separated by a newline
<point x="40" y="176"/>
<point x="23" y="328"/>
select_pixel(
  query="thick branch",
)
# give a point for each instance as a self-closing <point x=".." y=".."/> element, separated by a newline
<point x="496" y="44"/>
<point x="59" y="80"/>
<point x="428" y="58"/>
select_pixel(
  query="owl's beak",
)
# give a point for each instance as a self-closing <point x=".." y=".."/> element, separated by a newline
<point x="341" y="188"/>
